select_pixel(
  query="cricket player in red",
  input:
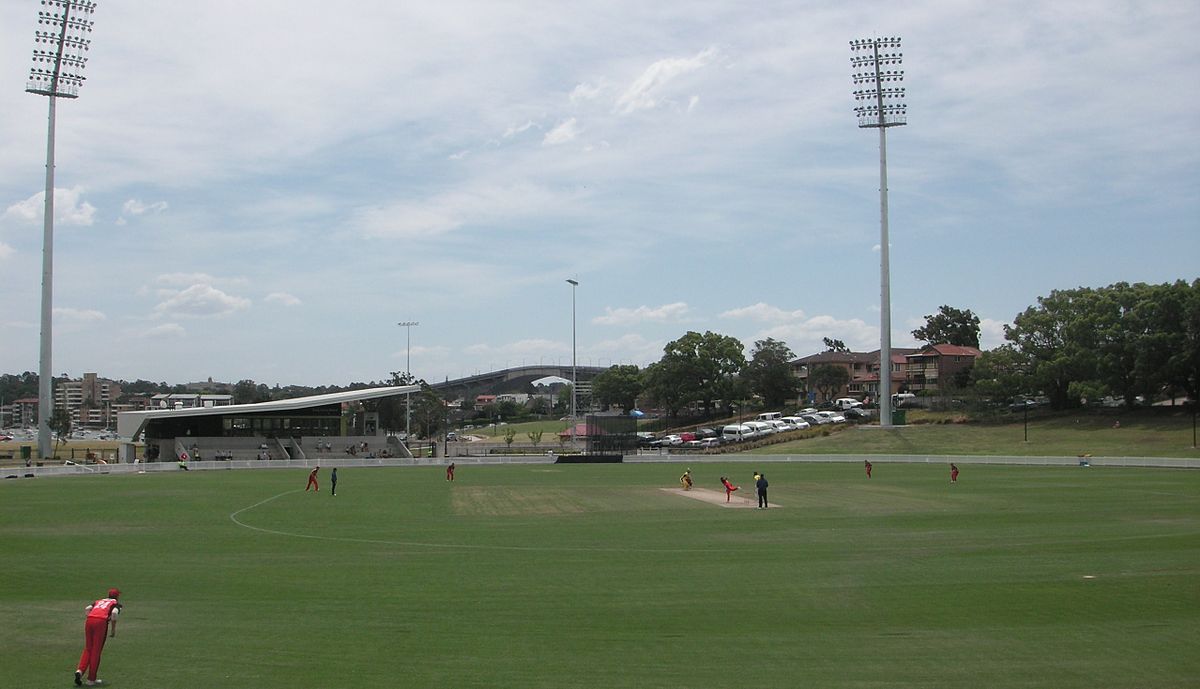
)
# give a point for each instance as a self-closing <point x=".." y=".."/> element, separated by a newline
<point x="101" y="616"/>
<point x="312" y="480"/>
<point x="953" y="473"/>
<point x="729" y="488"/>
<point x="867" y="462"/>
<point x="450" y="472"/>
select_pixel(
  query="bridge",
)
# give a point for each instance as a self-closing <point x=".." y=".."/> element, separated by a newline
<point x="515" y="379"/>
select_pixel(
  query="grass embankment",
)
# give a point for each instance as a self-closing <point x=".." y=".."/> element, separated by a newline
<point x="1149" y="433"/>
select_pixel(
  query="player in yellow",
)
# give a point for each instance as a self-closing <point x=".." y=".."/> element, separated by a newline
<point x="686" y="480"/>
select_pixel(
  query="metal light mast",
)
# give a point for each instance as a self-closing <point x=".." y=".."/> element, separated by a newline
<point x="574" y="389"/>
<point x="408" y="325"/>
<point x="881" y="105"/>
<point x="62" y="38"/>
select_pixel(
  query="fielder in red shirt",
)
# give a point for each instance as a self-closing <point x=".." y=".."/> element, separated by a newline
<point x="867" y="462"/>
<point x="729" y="488"/>
<point x="101" y="616"/>
<point x="953" y="473"/>
<point x="312" y="480"/>
<point x="450" y="472"/>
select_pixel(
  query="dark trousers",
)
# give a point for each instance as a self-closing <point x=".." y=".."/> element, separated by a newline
<point x="762" y="497"/>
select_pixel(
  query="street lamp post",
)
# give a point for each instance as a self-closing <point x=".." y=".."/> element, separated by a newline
<point x="408" y="326"/>
<point x="574" y="390"/>
<point x="58" y="61"/>
<point x="881" y="105"/>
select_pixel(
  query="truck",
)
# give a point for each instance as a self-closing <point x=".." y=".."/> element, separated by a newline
<point x="844" y="403"/>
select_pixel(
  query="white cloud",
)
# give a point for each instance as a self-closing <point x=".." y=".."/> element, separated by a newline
<point x="77" y="316"/>
<point x="172" y="330"/>
<point x="446" y="212"/>
<point x="513" y="131"/>
<point x="991" y="333"/>
<point x="586" y="92"/>
<point x="201" y="301"/>
<point x="646" y="91"/>
<point x="669" y="313"/>
<point x="69" y="208"/>
<point x="136" y="207"/>
<point x="764" y="313"/>
<point x="567" y="131"/>
<point x="283" y="298"/>
<point x="5" y="251"/>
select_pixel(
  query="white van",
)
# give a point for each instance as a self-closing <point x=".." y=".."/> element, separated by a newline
<point x="770" y="416"/>
<point x="735" y="433"/>
<point x="798" y="423"/>
<point x="760" y="428"/>
<point x="782" y="426"/>
<point x="844" y="403"/>
<point x="901" y="399"/>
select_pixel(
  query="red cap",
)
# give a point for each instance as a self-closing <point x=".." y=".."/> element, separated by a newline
<point x="114" y="593"/>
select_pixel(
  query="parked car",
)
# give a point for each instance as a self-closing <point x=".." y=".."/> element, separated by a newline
<point x="672" y="439"/>
<point x="710" y="442"/>
<point x="735" y="433"/>
<point x="856" y="414"/>
<point x="798" y="423"/>
<point x="781" y="426"/>
<point x="844" y="403"/>
<point x="833" y="416"/>
<point x="815" y="419"/>
<point x="703" y="433"/>
<point x="760" y="428"/>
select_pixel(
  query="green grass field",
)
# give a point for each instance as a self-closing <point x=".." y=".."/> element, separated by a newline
<point x="547" y="576"/>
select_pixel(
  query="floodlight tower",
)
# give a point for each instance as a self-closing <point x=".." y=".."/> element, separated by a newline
<point x="881" y="105"/>
<point x="408" y="326"/>
<point x="62" y="38"/>
<point x="574" y="382"/>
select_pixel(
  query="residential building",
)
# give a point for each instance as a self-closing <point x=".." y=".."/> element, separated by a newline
<point x="863" y="368"/>
<point x="88" y="399"/>
<point x="930" y="367"/>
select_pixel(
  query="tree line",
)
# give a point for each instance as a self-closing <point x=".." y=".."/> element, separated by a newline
<point x="1124" y="341"/>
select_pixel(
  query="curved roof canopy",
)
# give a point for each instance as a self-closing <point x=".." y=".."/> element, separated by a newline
<point x="131" y="423"/>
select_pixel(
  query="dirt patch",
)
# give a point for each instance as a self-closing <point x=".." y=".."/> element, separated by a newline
<point x="714" y="497"/>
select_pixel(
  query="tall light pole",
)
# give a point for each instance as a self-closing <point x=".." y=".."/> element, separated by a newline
<point x="574" y="390"/>
<point x="57" y="72"/>
<point x="408" y="326"/>
<point x="881" y="105"/>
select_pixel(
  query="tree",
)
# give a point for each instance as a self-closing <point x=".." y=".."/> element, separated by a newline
<point x="835" y="345"/>
<point x="702" y="366"/>
<point x="950" y="326"/>
<point x="828" y="379"/>
<point x="429" y="415"/>
<point x="509" y="434"/>
<point x="60" y="423"/>
<point x="769" y="372"/>
<point x="535" y="437"/>
<point x="619" y="386"/>
<point x="1001" y="374"/>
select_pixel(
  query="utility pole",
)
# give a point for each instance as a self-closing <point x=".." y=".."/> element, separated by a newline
<point x="881" y="106"/>
<point x="60" y="41"/>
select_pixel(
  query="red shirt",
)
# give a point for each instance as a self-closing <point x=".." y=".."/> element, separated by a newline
<point x="103" y="609"/>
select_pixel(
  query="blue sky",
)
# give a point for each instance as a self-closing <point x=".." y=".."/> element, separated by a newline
<point x="263" y="190"/>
